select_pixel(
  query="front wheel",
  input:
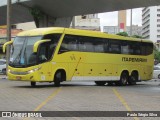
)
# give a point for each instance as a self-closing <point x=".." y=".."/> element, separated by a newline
<point x="100" y="83"/>
<point x="57" y="79"/>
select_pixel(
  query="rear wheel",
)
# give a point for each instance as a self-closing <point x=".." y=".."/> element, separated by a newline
<point x="159" y="76"/>
<point x="100" y="83"/>
<point x="123" y="79"/>
<point x="133" y="78"/>
<point x="33" y="84"/>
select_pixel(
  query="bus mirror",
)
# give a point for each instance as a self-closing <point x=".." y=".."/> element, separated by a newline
<point x="36" y="45"/>
<point x="5" y="45"/>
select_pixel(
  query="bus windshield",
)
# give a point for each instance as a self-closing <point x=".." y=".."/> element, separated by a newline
<point x="22" y="54"/>
<point x="22" y="51"/>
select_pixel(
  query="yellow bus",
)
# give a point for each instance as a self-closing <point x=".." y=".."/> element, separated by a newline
<point x="64" y="54"/>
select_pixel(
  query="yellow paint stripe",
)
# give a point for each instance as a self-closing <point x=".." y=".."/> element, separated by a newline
<point x="48" y="99"/>
<point x="123" y="101"/>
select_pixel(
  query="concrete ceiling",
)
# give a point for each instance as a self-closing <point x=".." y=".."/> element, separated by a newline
<point x="68" y="8"/>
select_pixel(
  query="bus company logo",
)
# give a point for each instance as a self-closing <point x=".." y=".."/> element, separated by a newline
<point x="126" y="59"/>
<point x="6" y="114"/>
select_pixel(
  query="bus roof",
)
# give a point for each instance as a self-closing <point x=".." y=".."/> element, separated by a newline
<point x="49" y="30"/>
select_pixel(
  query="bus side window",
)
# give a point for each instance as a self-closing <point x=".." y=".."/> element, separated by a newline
<point x="89" y="46"/>
<point x="42" y="54"/>
<point x="143" y="48"/>
<point x="69" y="44"/>
<point x="124" y="47"/>
<point x="114" y="46"/>
<point x="52" y="45"/>
<point x="135" y="48"/>
<point x="106" y="45"/>
<point x="99" y="45"/>
<point x="82" y="46"/>
<point x="149" y="48"/>
<point x="72" y="45"/>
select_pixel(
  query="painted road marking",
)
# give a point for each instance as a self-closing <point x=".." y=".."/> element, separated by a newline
<point x="48" y="99"/>
<point x="123" y="101"/>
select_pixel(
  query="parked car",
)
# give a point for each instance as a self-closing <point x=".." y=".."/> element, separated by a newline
<point x="3" y="66"/>
<point x="156" y="72"/>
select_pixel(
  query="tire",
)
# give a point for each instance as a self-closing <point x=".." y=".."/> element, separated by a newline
<point x="133" y="78"/>
<point x="100" y="83"/>
<point x="57" y="79"/>
<point x="159" y="76"/>
<point x="123" y="79"/>
<point x="33" y="84"/>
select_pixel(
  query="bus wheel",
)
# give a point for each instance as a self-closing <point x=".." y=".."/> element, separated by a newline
<point x="57" y="79"/>
<point x="33" y="84"/>
<point x="124" y="79"/>
<point x="133" y="78"/>
<point x="100" y="83"/>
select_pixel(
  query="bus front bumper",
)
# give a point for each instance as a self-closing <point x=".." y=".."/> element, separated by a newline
<point x="20" y="75"/>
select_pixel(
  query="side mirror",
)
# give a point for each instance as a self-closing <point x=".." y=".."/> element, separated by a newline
<point x="36" y="45"/>
<point x="5" y="45"/>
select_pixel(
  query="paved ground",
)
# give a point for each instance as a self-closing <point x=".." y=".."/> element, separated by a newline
<point x="78" y="96"/>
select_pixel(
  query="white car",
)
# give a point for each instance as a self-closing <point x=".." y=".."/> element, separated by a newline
<point x="3" y="66"/>
<point x="156" y="72"/>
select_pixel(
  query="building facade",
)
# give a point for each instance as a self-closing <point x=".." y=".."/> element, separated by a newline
<point x="151" y="23"/>
<point x="122" y="16"/>
<point x="87" y="22"/>
<point x="136" y="30"/>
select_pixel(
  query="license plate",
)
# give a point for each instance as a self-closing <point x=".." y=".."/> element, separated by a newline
<point x="18" y="78"/>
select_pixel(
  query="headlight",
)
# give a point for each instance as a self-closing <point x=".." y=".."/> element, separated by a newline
<point x="33" y="70"/>
<point x="24" y="73"/>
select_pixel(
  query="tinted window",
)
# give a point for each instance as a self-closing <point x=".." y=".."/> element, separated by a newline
<point x="114" y="46"/>
<point x="104" y="45"/>
<point x="86" y="44"/>
<point x="135" y="48"/>
<point x="100" y="45"/>
<point x="146" y="48"/>
<point x="149" y="48"/>
<point x="69" y="43"/>
<point x="83" y="43"/>
<point x="125" y="47"/>
<point x="46" y="50"/>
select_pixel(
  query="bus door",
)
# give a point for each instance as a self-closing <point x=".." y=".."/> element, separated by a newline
<point x="43" y="60"/>
<point x="45" y="54"/>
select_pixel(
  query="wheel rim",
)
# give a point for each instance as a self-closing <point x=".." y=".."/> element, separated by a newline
<point x="124" y="80"/>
